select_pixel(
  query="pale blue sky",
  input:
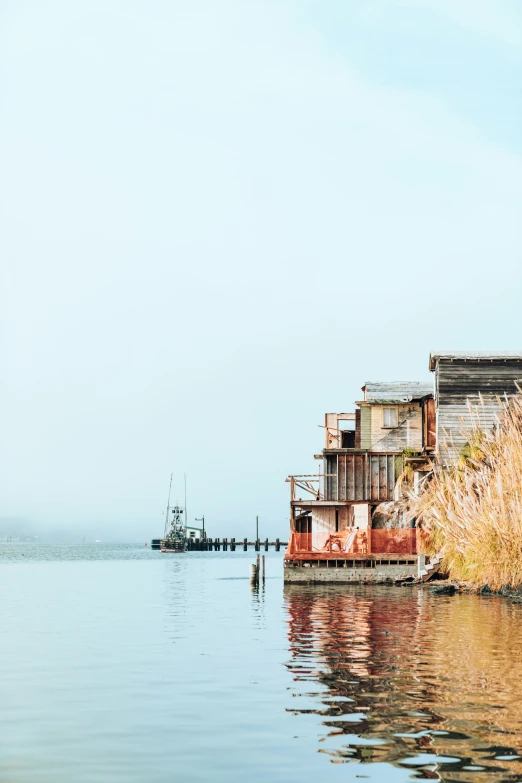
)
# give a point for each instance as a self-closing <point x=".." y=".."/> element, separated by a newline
<point x="219" y="218"/>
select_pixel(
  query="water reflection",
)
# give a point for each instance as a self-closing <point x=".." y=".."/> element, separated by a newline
<point x="427" y="683"/>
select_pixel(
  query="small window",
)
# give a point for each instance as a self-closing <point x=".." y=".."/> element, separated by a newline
<point x="391" y="418"/>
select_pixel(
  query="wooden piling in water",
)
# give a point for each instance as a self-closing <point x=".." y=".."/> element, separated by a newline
<point x="263" y="568"/>
<point x="215" y="544"/>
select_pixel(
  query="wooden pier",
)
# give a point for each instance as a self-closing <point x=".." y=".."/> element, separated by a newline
<point x="225" y="544"/>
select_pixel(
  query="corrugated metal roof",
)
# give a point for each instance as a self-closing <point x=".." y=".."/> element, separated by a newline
<point x="396" y="391"/>
<point x="463" y="355"/>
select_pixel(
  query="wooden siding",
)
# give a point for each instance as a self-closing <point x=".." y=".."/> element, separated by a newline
<point x="429" y="424"/>
<point x="467" y="395"/>
<point x="362" y="477"/>
<point x="366" y="432"/>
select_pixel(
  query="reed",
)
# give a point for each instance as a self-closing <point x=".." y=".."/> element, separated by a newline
<point x="473" y="511"/>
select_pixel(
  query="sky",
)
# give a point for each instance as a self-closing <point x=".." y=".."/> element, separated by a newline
<point x="219" y="218"/>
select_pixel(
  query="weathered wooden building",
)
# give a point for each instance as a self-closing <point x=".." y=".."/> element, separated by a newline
<point x="469" y="388"/>
<point x="335" y="514"/>
<point x="362" y="460"/>
<point x="391" y="416"/>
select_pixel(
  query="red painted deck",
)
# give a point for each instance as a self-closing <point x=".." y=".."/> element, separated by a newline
<point x="351" y="544"/>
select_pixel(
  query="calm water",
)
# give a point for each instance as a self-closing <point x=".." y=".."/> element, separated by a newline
<point x="122" y="664"/>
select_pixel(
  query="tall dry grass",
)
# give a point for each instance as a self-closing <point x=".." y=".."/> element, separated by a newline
<point x="473" y="512"/>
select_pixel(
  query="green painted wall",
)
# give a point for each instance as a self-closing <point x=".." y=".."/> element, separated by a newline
<point x="366" y="429"/>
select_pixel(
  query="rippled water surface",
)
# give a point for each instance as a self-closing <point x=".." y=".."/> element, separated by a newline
<point x="123" y="664"/>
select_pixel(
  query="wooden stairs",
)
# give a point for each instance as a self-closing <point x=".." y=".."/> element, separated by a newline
<point x="431" y="568"/>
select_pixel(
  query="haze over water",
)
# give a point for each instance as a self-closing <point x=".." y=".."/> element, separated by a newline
<point x="122" y="664"/>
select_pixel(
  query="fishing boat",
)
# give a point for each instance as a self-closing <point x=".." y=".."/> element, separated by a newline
<point x="175" y="539"/>
<point x="175" y="535"/>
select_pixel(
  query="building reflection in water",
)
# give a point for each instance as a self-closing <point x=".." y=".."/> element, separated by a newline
<point x="428" y="683"/>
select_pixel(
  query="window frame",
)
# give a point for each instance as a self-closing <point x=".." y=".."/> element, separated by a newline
<point x="394" y="408"/>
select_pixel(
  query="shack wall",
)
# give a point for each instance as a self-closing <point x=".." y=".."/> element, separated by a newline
<point x="408" y="433"/>
<point x="468" y="394"/>
<point x="324" y="519"/>
<point x="363" y="476"/>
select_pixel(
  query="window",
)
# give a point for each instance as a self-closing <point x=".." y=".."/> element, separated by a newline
<point x="391" y="417"/>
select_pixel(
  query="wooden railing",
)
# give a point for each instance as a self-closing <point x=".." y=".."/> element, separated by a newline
<point x="312" y="483"/>
<point x="353" y="542"/>
<point x="337" y="544"/>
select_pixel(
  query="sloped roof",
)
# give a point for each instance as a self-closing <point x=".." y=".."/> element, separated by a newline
<point x="463" y="355"/>
<point x="396" y="391"/>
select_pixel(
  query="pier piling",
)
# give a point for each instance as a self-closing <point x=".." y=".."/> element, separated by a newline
<point x="215" y="544"/>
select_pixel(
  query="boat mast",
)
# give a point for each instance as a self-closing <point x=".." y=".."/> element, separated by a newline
<point x="167" y="512"/>
<point x="186" y="518"/>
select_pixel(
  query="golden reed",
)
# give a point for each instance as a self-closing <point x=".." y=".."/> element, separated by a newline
<point x="473" y="511"/>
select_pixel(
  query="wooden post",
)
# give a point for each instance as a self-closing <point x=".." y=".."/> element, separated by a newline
<point x="266" y="545"/>
<point x="209" y="544"/>
<point x="232" y="544"/>
<point x="277" y="545"/>
<point x="263" y="567"/>
<point x="245" y="545"/>
<point x="257" y="567"/>
<point x="258" y="545"/>
<point x="225" y="545"/>
<point x="253" y="574"/>
<point x="217" y="545"/>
